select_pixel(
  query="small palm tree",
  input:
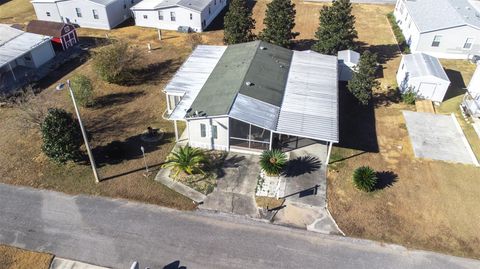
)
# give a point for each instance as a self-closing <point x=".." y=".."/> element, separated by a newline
<point x="186" y="159"/>
<point x="365" y="178"/>
<point x="273" y="162"/>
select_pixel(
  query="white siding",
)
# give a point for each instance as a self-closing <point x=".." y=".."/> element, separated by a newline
<point x="196" y="140"/>
<point x="182" y="18"/>
<point x="405" y="83"/>
<point x="41" y="10"/>
<point x="109" y="15"/>
<point x="474" y="85"/>
<point x="452" y="42"/>
<point x="42" y="54"/>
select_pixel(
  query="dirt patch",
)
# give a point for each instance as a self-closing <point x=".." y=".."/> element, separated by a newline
<point x="16" y="258"/>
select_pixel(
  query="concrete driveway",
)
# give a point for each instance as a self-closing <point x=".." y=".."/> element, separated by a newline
<point x="438" y="137"/>
<point x="235" y="191"/>
<point x="306" y="191"/>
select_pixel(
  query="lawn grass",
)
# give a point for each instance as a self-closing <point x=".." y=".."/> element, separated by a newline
<point x="16" y="258"/>
<point x="121" y="115"/>
<point x="419" y="203"/>
<point x="16" y="11"/>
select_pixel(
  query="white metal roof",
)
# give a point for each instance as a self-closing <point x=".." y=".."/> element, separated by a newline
<point x="431" y="15"/>
<point x="310" y="104"/>
<point x="14" y="43"/>
<point x="197" y="5"/>
<point x="192" y="75"/>
<point x="349" y="57"/>
<point x="100" y="2"/>
<point x="255" y="112"/>
<point x="154" y="4"/>
<point x="421" y="65"/>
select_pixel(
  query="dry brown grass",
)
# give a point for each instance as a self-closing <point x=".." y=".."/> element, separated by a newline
<point x="15" y="258"/>
<point x="122" y="114"/>
<point x="374" y="32"/>
<point x="426" y="204"/>
<point x="16" y="11"/>
<point x="268" y="202"/>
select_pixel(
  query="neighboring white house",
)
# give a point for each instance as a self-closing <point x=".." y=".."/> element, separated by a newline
<point x="171" y="14"/>
<point x="441" y="28"/>
<point x="21" y="53"/>
<point x="347" y="61"/>
<point x="424" y="75"/>
<point x="471" y="101"/>
<point x="97" y="14"/>
<point x="255" y="96"/>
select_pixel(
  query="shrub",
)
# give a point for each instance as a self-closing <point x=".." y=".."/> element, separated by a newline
<point x="402" y="43"/>
<point x="83" y="90"/>
<point x="114" y="63"/>
<point x="61" y="136"/>
<point x="365" y="178"/>
<point x="186" y="159"/>
<point x="194" y="39"/>
<point x="364" y="81"/>
<point x="273" y="162"/>
<point x="409" y="97"/>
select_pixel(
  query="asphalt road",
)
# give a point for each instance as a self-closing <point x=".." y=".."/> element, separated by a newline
<point x="115" y="232"/>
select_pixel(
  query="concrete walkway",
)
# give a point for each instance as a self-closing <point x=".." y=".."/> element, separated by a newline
<point x="235" y="191"/>
<point x="60" y="263"/>
<point x="163" y="177"/>
<point x="115" y="232"/>
<point x="306" y="191"/>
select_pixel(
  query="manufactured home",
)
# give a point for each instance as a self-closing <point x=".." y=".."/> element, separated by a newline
<point x="424" y="75"/>
<point x="97" y="14"/>
<point x="471" y="100"/>
<point x="254" y="96"/>
<point x="195" y="15"/>
<point x="441" y="28"/>
<point x="21" y="54"/>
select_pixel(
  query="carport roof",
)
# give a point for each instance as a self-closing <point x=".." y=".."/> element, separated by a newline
<point x="421" y="65"/>
<point x="15" y="43"/>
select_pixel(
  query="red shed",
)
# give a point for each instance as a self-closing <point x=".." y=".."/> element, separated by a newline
<point x="63" y="34"/>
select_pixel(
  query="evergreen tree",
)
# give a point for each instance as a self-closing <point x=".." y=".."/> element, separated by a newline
<point x="363" y="81"/>
<point x="61" y="135"/>
<point x="337" y="28"/>
<point x="238" y="23"/>
<point x="279" y="22"/>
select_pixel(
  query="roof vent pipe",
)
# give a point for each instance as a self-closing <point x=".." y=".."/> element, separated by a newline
<point x="262" y="48"/>
<point x="248" y="83"/>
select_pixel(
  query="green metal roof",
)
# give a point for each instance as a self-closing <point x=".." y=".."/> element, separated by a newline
<point x="261" y="65"/>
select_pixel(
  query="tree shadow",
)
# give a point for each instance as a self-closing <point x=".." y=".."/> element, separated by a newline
<point x="357" y="123"/>
<point x="303" y="44"/>
<point x="174" y="265"/>
<point x="386" y="98"/>
<point x="385" y="52"/>
<point x="385" y="179"/>
<point x="116" y="99"/>
<point x="302" y="165"/>
<point x="457" y="84"/>
<point x="225" y="162"/>
<point x="118" y="151"/>
<point x="150" y="74"/>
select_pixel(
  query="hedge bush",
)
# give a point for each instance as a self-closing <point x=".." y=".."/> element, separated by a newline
<point x="402" y="43"/>
<point x="83" y="90"/>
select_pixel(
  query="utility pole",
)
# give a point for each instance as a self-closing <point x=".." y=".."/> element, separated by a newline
<point x="84" y="134"/>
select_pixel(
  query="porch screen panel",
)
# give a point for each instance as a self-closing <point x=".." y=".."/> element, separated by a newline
<point x="248" y="136"/>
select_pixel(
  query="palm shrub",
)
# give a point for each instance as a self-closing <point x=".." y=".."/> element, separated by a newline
<point x="273" y="162"/>
<point x="365" y="178"/>
<point x="186" y="159"/>
<point x="61" y="136"/>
